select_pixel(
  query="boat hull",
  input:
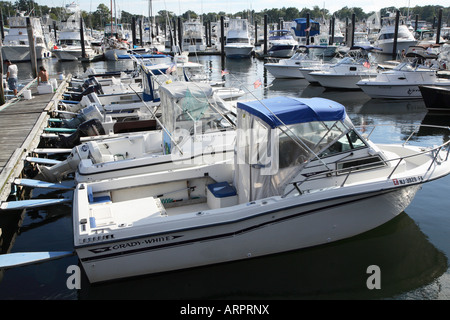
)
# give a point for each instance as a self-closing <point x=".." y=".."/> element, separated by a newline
<point x="335" y="81"/>
<point x="306" y="74"/>
<point x="393" y="91"/>
<point x="238" y="51"/>
<point x="282" y="51"/>
<point x="70" y="54"/>
<point x="22" y="53"/>
<point x="259" y="229"/>
<point x="436" y="98"/>
<point x="387" y="47"/>
<point x="284" y="71"/>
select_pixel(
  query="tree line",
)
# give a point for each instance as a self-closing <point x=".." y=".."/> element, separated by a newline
<point x="102" y="14"/>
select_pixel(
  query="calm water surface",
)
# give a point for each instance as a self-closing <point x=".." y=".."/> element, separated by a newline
<point x="412" y="250"/>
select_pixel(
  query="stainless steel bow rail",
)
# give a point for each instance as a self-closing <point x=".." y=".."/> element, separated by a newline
<point x="434" y="152"/>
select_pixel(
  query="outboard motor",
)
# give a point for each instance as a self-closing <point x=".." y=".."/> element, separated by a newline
<point x="88" y="128"/>
<point x="77" y="96"/>
<point x="81" y="87"/>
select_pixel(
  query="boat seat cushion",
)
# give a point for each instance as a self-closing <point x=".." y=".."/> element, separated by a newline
<point x="98" y="199"/>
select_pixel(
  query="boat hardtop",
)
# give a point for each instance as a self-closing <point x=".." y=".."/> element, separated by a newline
<point x="286" y="110"/>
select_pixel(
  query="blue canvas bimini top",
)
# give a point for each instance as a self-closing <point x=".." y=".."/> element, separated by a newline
<point x="294" y="110"/>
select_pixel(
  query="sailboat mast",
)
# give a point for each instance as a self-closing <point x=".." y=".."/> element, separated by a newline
<point x="150" y="23"/>
<point x="111" y="5"/>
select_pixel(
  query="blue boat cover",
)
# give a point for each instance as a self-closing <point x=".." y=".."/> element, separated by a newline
<point x="283" y="110"/>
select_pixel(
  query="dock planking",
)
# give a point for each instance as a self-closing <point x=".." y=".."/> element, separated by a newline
<point x="21" y="123"/>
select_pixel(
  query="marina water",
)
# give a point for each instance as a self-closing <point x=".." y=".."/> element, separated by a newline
<point x="411" y="252"/>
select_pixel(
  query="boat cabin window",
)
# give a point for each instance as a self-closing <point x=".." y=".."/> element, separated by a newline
<point x="237" y="40"/>
<point x="349" y="141"/>
<point x="385" y="36"/>
<point x="359" y="164"/>
<point x="70" y="42"/>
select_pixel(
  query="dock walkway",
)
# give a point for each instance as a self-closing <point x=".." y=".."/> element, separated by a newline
<point x="21" y="124"/>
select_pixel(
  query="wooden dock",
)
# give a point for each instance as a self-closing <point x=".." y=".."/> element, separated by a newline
<point x="21" y="124"/>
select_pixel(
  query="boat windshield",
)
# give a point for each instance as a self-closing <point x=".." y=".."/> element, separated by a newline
<point x="347" y="60"/>
<point x="237" y="40"/>
<point x="301" y="142"/>
<point x="387" y="36"/>
<point x="411" y="66"/>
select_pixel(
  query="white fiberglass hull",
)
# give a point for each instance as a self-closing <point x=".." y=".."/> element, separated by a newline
<point x="249" y="230"/>
<point x="232" y="51"/>
<point x="70" y="54"/>
<point x="306" y="74"/>
<point x="22" y="53"/>
<point x="394" y="90"/>
<point x="284" y="71"/>
<point x="336" y="81"/>
<point x="387" y="46"/>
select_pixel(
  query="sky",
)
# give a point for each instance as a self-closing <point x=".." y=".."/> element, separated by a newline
<point x="233" y="6"/>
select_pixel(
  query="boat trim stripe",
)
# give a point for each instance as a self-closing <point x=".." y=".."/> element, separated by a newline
<point x="229" y="234"/>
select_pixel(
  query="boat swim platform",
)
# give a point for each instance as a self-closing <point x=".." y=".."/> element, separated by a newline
<point x="22" y="121"/>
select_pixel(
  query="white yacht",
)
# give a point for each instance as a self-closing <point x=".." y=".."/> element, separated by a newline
<point x="238" y="43"/>
<point x="385" y="40"/>
<point x="16" y="46"/>
<point x="301" y="176"/>
<point x="193" y="37"/>
<point x="68" y="47"/>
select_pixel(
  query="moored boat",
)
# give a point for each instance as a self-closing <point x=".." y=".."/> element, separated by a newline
<point x="402" y="82"/>
<point x="281" y="44"/>
<point x="238" y="39"/>
<point x="302" y="175"/>
<point x="436" y="98"/>
<point x="16" y="46"/>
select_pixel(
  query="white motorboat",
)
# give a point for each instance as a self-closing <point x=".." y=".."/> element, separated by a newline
<point x="189" y="108"/>
<point x="69" y="46"/>
<point x="348" y="71"/>
<point x="281" y="44"/>
<point x="238" y="43"/>
<point x="16" y="46"/>
<point x="345" y="74"/>
<point x="385" y="40"/>
<point x="402" y="82"/>
<point x="287" y="68"/>
<point x="302" y="176"/>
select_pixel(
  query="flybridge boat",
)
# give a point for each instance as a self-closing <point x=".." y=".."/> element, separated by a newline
<point x="402" y="82"/>
<point x="385" y="40"/>
<point x="16" y="46"/>
<point x="197" y="125"/>
<point x="70" y="44"/>
<point x="301" y="174"/>
<point x="238" y="40"/>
